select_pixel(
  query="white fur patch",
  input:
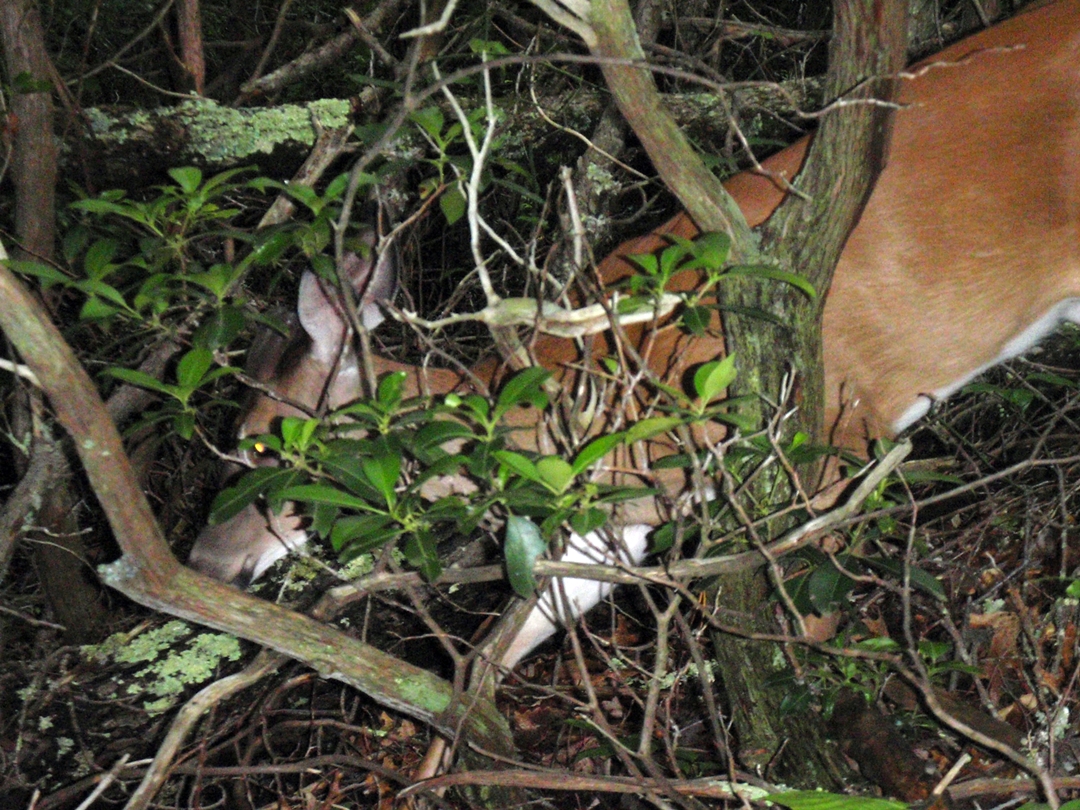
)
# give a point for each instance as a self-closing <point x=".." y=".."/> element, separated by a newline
<point x="1067" y="310"/>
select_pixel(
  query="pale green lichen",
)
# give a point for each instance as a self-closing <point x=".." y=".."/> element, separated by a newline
<point x="179" y="657"/>
<point x="223" y="134"/>
<point x="360" y="566"/>
<point x="419" y="693"/>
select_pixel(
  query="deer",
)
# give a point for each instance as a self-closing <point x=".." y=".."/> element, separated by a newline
<point x="966" y="255"/>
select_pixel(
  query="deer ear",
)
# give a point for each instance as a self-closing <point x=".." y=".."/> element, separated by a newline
<point x="321" y="310"/>
<point x="322" y="316"/>
<point x="372" y="286"/>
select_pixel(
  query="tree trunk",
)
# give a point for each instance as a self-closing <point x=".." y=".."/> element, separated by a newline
<point x="806" y="236"/>
<point x="59" y="552"/>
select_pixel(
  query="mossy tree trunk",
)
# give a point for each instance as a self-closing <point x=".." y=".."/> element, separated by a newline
<point x="806" y="236"/>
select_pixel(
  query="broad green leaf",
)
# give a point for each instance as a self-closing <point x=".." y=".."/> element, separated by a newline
<point x="231" y="500"/>
<point x="218" y="279"/>
<point x="184" y="425"/>
<point x="391" y="389"/>
<point x="383" y="472"/>
<point x="220" y="329"/>
<point x="596" y="450"/>
<point x="920" y="579"/>
<point x="368" y="529"/>
<point x="323" y="518"/>
<point x="490" y="47"/>
<point x="440" y="432"/>
<point x="420" y="551"/>
<point x="371" y="541"/>
<point x="452" y="204"/>
<point x="193" y="366"/>
<point x="142" y="380"/>
<point x="321" y="493"/>
<point x="826" y="587"/>
<point x="646" y="261"/>
<point x="103" y="290"/>
<point x="555" y="473"/>
<point x="712" y="249"/>
<point x="523" y="545"/>
<point x="518" y="464"/>
<point x="776" y="274"/>
<point x="94" y="309"/>
<point x="337" y="186"/>
<point x="525" y="387"/>
<point x="296" y="431"/>
<point x="187" y="177"/>
<point x="821" y="800"/>
<point x="696" y="319"/>
<point x="712" y="379"/>
<point x="430" y="119"/>
<point x="99" y="259"/>
<point x="588" y="520"/>
<point x="49" y="275"/>
<point x="647" y="428"/>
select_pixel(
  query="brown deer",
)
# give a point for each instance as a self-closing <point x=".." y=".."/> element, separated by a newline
<point x="965" y="255"/>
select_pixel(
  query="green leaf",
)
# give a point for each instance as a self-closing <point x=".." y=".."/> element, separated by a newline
<point x="383" y="472"/>
<point x="217" y="279"/>
<point x="296" y="431"/>
<point x="826" y="587"/>
<point x="270" y="245"/>
<point x="49" y="275"/>
<point x="421" y="553"/>
<point x="555" y="473"/>
<point x="525" y="387"/>
<point x="184" y="425"/>
<point x="439" y="433"/>
<point x="519" y="464"/>
<point x="142" y="380"/>
<point x="429" y="119"/>
<point x="588" y="520"/>
<point x="696" y="320"/>
<point x="337" y="186"/>
<point x="491" y="47"/>
<point x="323" y="517"/>
<point x="391" y="389"/>
<point x="100" y="288"/>
<point x="452" y="204"/>
<point x="193" y="367"/>
<point x="220" y="329"/>
<point x="321" y="493"/>
<point x="646" y="261"/>
<point x="712" y="249"/>
<point x="94" y="309"/>
<point x="370" y="530"/>
<point x="920" y="579"/>
<point x="231" y="500"/>
<point x="25" y="83"/>
<point x="595" y="450"/>
<point x="712" y="379"/>
<point x="523" y="545"/>
<point x="650" y="427"/>
<point x="767" y="271"/>
<point x="821" y="800"/>
<point x="187" y="177"/>
<point x="99" y="258"/>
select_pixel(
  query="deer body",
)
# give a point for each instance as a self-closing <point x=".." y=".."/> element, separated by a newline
<point x="966" y="254"/>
